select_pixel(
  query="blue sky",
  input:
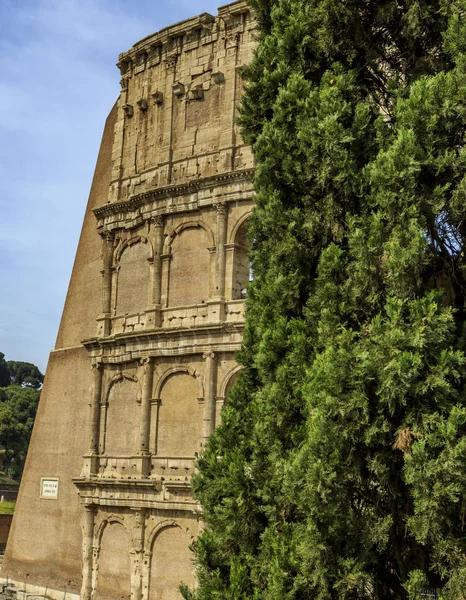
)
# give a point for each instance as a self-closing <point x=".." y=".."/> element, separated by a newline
<point x="58" y="83"/>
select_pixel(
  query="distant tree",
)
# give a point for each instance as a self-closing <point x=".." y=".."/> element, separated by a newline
<point x="20" y="383"/>
<point x="4" y="372"/>
<point x="25" y="374"/>
<point x="18" y="407"/>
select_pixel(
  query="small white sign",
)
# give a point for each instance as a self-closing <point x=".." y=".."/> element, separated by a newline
<point x="49" y="488"/>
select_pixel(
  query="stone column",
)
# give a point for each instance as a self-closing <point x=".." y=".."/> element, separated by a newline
<point x="95" y="570"/>
<point x="88" y="536"/>
<point x="136" y="554"/>
<point x="92" y="458"/>
<point x="144" y="428"/>
<point x="156" y="402"/>
<point x="157" y="224"/>
<point x="165" y="277"/>
<point x="222" y="216"/>
<point x="210" y="384"/>
<point x="107" y="254"/>
<point x="145" y="574"/>
<point x="154" y="320"/>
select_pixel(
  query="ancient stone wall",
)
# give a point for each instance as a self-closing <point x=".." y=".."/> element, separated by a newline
<point x="153" y="317"/>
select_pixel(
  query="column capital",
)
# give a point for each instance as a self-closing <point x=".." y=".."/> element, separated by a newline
<point x="147" y="361"/>
<point x="97" y="366"/>
<point x="107" y="235"/>
<point x="221" y="208"/>
<point x="207" y="355"/>
<point x="156" y="221"/>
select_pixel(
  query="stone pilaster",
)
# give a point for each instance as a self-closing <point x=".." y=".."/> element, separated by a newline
<point x="143" y="452"/>
<point x="222" y="217"/>
<point x="145" y="574"/>
<point x="210" y="384"/>
<point x="154" y="319"/>
<point x="104" y="320"/>
<point x="87" y="549"/>
<point x="136" y="554"/>
<point x="91" y="460"/>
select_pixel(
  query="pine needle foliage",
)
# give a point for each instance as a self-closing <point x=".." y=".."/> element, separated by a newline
<point x="339" y="469"/>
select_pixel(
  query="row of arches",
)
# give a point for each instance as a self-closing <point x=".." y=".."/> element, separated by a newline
<point x="176" y="418"/>
<point x="171" y="233"/>
<point x="157" y="572"/>
<point x="187" y="269"/>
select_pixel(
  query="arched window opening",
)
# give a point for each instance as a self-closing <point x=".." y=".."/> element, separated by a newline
<point x="241" y="269"/>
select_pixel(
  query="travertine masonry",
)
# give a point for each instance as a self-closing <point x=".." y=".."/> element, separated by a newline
<point x="154" y="314"/>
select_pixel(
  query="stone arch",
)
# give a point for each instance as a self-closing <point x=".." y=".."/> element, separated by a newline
<point x="158" y="527"/>
<point x="224" y="386"/>
<point x="127" y="243"/>
<point x="178" y="369"/>
<point x="133" y="259"/>
<point x="166" y="574"/>
<point x="113" y="568"/>
<point x="179" y="415"/>
<point x="191" y="224"/>
<point x="240" y="263"/>
<point x="119" y="377"/>
<point x="237" y="225"/>
<point x="113" y="518"/>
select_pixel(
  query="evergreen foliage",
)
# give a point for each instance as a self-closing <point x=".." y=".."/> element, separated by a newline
<point x="339" y="469"/>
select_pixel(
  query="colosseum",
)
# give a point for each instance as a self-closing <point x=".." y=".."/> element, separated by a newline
<point x="145" y="353"/>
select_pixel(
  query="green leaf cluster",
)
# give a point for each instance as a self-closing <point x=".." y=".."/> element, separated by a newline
<point x="338" y="471"/>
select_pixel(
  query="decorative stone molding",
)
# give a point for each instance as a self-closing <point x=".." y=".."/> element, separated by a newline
<point x="156" y="221"/>
<point x="221" y="208"/>
<point x="143" y="104"/>
<point x="218" y="77"/>
<point x="158" y="97"/>
<point x="171" y="191"/>
<point x="178" y="89"/>
<point x="128" y="109"/>
<point x="196" y="93"/>
<point x="124" y="66"/>
<point x="140" y="62"/>
<point x="107" y="235"/>
<point x="154" y="53"/>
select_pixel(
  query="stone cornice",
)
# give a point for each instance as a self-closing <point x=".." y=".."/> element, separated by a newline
<point x="169" y="42"/>
<point x="126" y="347"/>
<point x="132" y="493"/>
<point x="170" y="191"/>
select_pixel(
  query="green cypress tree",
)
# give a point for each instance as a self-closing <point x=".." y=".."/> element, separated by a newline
<point x="339" y="469"/>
